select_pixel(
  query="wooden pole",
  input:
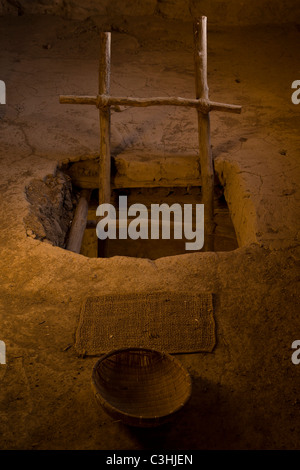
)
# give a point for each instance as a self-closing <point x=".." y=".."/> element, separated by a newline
<point x="205" y="155"/>
<point x="79" y="222"/>
<point x="202" y="105"/>
<point x="104" y="113"/>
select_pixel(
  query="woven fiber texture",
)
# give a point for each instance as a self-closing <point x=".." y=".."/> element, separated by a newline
<point x="167" y="321"/>
<point x="142" y="387"/>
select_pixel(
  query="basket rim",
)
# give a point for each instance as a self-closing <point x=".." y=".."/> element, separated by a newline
<point x="113" y="409"/>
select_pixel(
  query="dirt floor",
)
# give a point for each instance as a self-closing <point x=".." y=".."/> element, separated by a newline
<point x="246" y="392"/>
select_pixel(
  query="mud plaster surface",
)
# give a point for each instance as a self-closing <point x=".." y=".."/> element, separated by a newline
<point x="245" y="393"/>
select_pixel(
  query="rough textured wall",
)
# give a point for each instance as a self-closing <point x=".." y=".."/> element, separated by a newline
<point x="219" y="12"/>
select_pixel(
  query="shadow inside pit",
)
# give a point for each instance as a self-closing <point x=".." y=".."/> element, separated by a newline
<point x="208" y="421"/>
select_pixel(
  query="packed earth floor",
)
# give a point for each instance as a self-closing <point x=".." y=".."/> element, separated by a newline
<point x="246" y="392"/>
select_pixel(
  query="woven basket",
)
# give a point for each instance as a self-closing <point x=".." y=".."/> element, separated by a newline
<point x="141" y="387"/>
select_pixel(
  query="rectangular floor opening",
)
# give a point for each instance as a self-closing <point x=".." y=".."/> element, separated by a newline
<point x="224" y="233"/>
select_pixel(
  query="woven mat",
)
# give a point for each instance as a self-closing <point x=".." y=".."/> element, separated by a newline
<point x="171" y="322"/>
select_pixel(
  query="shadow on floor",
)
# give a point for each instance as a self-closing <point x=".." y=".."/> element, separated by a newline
<point x="208" y="421"/>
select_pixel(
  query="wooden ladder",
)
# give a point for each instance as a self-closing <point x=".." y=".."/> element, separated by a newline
<point x="103" y="101"/>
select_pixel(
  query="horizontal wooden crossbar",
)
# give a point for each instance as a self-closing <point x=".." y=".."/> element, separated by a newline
<point x="201" y="105"/>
